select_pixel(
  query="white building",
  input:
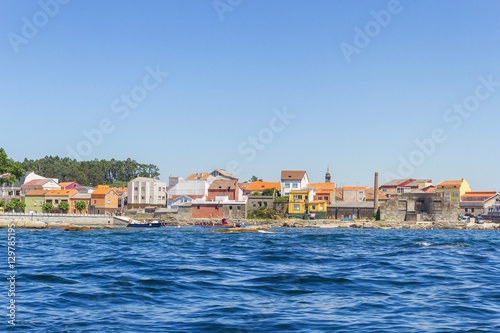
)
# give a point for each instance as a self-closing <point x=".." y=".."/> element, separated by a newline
<point x="143" y="192"/>
<point x="293" y="180"/>
<point x="188" y="187"/>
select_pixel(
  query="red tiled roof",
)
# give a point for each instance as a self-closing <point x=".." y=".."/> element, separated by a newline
<point x="323" y="186"/>
<point x="451" y="183"/>
<point x="36" y="192"/>
<point x="198" y="176"/>
<point x="69" y="192"/>
<point x="370" y="195"/>
<point x="36" y="182"/>
<point x="354" y="188"/>
<point x="260" y="186"/>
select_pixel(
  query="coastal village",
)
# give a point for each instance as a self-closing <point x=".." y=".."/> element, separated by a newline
<point x="219" y="194"/>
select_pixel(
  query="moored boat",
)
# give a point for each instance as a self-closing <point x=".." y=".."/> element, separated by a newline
<point x="144" y="224"/>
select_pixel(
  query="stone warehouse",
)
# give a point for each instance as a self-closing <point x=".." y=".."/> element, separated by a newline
<point x="419" y="207"/>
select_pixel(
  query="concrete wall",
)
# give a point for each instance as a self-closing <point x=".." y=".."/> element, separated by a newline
<point x="419" y="207"/>
<point x="349" y="212"/>
<point x="235" y="211"/>
<point x="258" y="201"/>
<point x="73" y="219"/>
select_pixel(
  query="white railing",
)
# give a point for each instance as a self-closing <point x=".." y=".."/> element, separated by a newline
<point x="51" y="214"/>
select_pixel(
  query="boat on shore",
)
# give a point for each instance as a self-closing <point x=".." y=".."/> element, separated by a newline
<point x="144" y="224"/>
<point x="223" y="224"/>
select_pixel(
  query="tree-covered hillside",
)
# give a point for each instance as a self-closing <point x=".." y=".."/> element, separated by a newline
<point x="90" y="173"/>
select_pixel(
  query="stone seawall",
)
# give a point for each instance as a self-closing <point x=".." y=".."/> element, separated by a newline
<point x="292" y="223"/>
<point x="76" y="220"/>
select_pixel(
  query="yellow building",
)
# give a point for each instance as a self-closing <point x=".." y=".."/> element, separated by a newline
<point x="453" y="189"/>
<point x="298" y="202"/>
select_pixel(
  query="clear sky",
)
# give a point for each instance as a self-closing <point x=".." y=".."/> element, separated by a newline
<point x="405" y="88"/>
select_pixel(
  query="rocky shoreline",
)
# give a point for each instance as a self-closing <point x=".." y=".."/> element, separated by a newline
<point x="286" y="223"/>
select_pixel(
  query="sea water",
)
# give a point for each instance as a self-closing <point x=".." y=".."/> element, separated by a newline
<point x="297" y="280"/>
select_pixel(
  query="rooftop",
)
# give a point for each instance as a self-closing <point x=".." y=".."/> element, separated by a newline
<point x="292" y="175"/>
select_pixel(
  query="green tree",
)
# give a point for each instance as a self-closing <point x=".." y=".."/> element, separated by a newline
<point x="63" y="206"/>
<point x="264" y="213"/>
<point x="255" y="179"/>
<point x="11" y="205"/>
<point x="255" y="193"/>
<point x="47" y="207"/>
<point x="2" y="203"/>
<point x="10" y="170"/>
<point x="80" y="206"/>
<point x="20" y="206"/>
<point x="269" y="191"/>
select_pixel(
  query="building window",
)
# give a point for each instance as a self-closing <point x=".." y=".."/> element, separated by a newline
<point x="265" y="203"/>
<point x="320" y="198"/>
<point x="34" y="203"/>
<point x="95" y="201"/>
<point x="314" y="207"/>
<point x="56" y="201"/>
<point x="296" y="207"/>
<point x="287" y="185"/>
<point x="109" y="202"/>
<point x="295" y="185"/>
<point x="230" y="207"/>
<point x="320" y="207"/>
<point x="384" y="190"/>
<point x="297" y="197"/>
<point x="198" y="207"/>
<point x="455" y="194"/>
<point x="447" y="195"/>
<point x="41" y="202"/>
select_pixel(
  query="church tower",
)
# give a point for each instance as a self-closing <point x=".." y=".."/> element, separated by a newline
<point x="328" y="176"/>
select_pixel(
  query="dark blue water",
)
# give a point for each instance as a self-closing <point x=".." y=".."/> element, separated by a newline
<point x="299" y="280"/>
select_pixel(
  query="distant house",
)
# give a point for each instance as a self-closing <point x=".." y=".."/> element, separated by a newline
<point x="85" y="189"/>
<point x="202" y="176"/>
<point x="14" y="191"/>
<point x="104" y="201"/>
<point x="370" y="195"/>
<point x="69" y="185"/>
<point x="144" y="192"/>
<point x="85" y="197"/>
<point x="299" y="202"/>
<point x="224" y="199"/>
<point x="260" y="186"/>
<point x="293" y="180"/>
<point x="473" y="202"/>
<point x="34" y="201"/>
<point x="176" y="200"/>
<point x="354" y="193"/>
<point x="400" y="186"/>
<point x="122" y="198"/>
<point x="453" y="189"/>
<point x="55" y="197"/>
<point x="40" y="184"/>
<point x="221" y="174"/>
<point x="492" y="205"/>
<point x="190" y="187"/>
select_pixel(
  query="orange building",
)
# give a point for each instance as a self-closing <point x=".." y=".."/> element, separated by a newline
<point x="55" y="197"/>
<point x="105" y="201"/>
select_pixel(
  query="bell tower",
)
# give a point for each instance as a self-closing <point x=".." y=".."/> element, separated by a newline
<point x="328" y="176"/>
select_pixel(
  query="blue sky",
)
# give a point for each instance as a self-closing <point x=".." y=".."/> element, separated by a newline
<point x="234" y="65"/>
